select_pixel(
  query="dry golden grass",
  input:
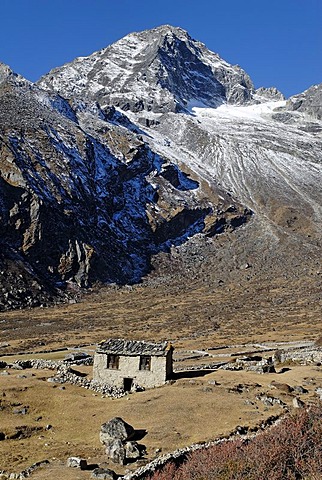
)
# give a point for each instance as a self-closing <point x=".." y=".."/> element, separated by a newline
<point x="190" y="410"/>
<point x="189" y="315"/>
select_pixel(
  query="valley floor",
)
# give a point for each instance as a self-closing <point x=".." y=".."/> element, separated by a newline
<point x="202" y="300"/>
<point x="198" y="406"/>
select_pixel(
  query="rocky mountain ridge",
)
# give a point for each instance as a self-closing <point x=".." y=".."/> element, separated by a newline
<point x="308" y="102"/>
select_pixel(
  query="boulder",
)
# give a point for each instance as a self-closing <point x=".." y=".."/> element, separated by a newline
<point x="132" y="450"/>
<point x="76" y="462"/>
<point x="116" y="435"/>
<point x="283" y="387"/>
<point x="16" y="366"/>
<point x="318" y="391"/>
<point x="115" y="451"/>
<point x="76" y="357"/>
<point x="103" y="474"/>
<point x="299" y="389"/>
<point x="297" y="403"/>
<point x="20" y="411"/>
<point x="55" y="380"/>
<point x="116" y="428"/>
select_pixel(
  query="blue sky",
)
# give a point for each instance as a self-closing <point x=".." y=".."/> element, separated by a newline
<point x="277" y="42"/>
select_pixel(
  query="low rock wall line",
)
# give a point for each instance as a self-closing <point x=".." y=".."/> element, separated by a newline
<point x="151" y="467"/>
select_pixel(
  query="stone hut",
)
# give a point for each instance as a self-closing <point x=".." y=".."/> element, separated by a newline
<point x="127" y="363"/>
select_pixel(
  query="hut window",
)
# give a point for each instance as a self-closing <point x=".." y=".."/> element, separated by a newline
<point x="145" y="362"/>
<point x="113" y="362"/>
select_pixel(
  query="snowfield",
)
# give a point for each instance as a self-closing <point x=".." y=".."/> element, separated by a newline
<point x="255" y="112"/>
<point x="263" y="163"/>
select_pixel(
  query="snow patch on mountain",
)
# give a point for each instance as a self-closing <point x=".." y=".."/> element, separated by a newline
<point x="269" y="166"/>
<point x="256" y="112"/>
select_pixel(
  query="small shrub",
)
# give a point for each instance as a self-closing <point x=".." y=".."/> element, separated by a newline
<point x="292" y="450"/>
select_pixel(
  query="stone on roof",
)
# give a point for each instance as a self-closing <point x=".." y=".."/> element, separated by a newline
<point x="119" y="346"/>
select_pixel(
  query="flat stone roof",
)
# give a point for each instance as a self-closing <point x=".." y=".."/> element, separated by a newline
<point x="120" y="346"/>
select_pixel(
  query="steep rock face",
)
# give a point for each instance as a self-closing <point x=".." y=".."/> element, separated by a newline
<point x="308" y="102"/>
<point x="82" y="197"/>
<point x="157" y="70"/>
<point x="264" y="94"/>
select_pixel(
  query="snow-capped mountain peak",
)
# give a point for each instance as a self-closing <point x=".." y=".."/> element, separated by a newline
<point x="157" y="70"/>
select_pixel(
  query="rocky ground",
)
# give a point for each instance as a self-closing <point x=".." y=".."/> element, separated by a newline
<point x="42" y="420"/>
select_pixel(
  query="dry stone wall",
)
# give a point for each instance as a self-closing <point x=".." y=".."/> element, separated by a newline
<point x="305" y="356"/>
<point x="65" y="374"/>
<point x="180" y="454"/>
<point x="4" y="475"/>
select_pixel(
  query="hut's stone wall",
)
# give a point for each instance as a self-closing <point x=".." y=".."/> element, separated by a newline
<point x="129" y="368"/>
